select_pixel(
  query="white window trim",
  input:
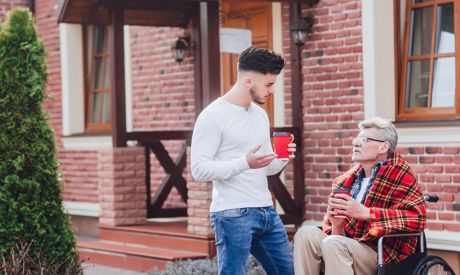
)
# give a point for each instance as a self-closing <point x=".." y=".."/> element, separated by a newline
<point x="279" y="108"/>
<point x="82" y="209"/>
<point x="378" y="59"/>
<point x="73" y="109"/>
<point x="379" y="76"/>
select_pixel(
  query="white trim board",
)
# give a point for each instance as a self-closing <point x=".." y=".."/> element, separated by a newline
<point x="82" y="209"/>
<point x="424" y="136"/>
<point x="443" y="240"/>
<point x="87" y="142"/>
<point x="279" y="107"/>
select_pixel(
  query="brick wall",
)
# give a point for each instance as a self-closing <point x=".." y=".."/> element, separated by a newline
<point x="438" y="172"/>
<point x="121" y="187"/>
<point x="79" y="175"/>
<point x="163" y="89"/>
<point x="6" y="5"/>
<point x="333" y="105"/>
<point x="163" y="92"/>
<point x="332" y="97"/>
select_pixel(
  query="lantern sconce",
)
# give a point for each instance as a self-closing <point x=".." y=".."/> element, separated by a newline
<point x="301" y="28"/>
<point x="181" y="44"/>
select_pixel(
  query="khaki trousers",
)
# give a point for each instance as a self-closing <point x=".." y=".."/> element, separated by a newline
<point x="314" y="251"/>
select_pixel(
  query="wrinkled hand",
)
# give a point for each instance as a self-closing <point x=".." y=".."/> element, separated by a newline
<point x="344" y="204"/>
<point x="331" y="212"/>
<point x="259" y="161"/>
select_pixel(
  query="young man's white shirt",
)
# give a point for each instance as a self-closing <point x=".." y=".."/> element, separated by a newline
<point x="223" y="134"/>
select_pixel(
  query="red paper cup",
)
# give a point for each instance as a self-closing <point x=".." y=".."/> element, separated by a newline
<point x="340" y="191"/>
<point x="281" y="141"/>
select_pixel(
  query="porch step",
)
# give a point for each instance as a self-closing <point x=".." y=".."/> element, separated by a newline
<point x="145" y="247"/>
<point x="161" y="235"/>
<point x="132" y="257"/>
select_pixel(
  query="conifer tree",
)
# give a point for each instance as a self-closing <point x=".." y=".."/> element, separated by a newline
<point x="31" y="209"/>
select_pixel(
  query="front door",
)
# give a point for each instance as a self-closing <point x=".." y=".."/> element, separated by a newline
<point x="256" y="17"/>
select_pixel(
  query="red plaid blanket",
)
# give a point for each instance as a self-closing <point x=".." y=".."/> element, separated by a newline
<point x="396" y="206"/>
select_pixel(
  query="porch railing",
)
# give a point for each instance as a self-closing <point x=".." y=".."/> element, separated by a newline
<point x="174" y="168"/>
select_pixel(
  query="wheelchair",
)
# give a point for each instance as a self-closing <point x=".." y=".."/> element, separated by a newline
<point x="416" y="264"/>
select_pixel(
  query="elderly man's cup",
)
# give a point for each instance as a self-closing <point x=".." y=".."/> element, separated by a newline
<point x="281" y="141"/>
<point x="336" y="191"/>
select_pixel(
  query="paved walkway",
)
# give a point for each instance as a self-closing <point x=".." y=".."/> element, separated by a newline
<point x="92" y="269"/>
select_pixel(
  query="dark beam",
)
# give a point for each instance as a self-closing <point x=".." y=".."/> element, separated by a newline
<point x="156" y="5"/>
<point x="148" y="185"/>
<point x="146" y="137"/>
<point x="196" y="37"/>
<point x="297" y="112"/>
<point x="169" y="212"/>
<point x="282" y="195"/>
<point x="209" y="54"/>
<point x="118" y="109"/>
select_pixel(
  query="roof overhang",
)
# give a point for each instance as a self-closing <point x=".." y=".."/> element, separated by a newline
<point x="173" y="13"/>
<point x="135" y="12"/>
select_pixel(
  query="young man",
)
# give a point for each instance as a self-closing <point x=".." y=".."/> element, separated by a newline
<point x="385" y="199"/>
<point x="231" y="147"/>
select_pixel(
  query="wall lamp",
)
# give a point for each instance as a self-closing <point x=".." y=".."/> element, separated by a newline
<point x="301" y="28"/>
<point x="181" y="44"/>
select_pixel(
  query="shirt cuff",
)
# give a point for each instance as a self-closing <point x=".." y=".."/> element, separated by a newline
<point x="242" y="164"/>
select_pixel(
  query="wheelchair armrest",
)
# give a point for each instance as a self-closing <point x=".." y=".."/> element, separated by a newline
<point x="380" y="243"/>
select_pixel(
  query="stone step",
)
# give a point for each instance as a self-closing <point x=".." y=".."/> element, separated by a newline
<point x="161" y="235"/>
<point x="131" y="256"/>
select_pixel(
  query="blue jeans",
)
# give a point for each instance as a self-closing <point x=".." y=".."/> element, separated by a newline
<point x="258" y="231"/>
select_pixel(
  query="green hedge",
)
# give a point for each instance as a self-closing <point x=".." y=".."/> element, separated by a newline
<point x="31" y="208"/>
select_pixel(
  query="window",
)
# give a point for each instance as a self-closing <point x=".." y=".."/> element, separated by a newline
<point x="429" y="89"/>
<point x="97" y="79"/>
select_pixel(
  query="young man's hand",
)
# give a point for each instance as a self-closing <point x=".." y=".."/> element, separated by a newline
<point x="291" y="149"/>
<point x="258" y="161"/>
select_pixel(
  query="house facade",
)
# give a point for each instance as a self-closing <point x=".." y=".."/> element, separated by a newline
<point x="362" y="58"/>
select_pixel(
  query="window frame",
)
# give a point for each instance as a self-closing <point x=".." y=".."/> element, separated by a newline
<point x="428" y="113"/>
<point x="91" y="127"/>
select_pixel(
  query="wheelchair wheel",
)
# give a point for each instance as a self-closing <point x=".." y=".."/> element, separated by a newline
<point x="433" y="265"/>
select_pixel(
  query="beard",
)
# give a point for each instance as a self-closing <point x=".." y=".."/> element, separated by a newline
<point x="256" y="98"/>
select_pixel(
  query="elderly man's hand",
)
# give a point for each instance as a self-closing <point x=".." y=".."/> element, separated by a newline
<point x="331" y="212"/>
<point x="346" y="205"/>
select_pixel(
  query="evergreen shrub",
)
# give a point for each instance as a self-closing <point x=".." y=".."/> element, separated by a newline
<point x="31" y="209"/>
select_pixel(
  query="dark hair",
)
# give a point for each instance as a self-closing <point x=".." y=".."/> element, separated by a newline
<point x="260" y="60"/>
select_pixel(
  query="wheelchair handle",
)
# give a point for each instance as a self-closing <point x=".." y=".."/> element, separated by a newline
<point x="431" y="198"/>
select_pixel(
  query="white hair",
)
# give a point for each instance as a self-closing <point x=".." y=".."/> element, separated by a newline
<point x="386" y="127"/>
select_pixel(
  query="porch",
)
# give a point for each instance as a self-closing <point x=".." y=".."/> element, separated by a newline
<point x="127" y="197"/>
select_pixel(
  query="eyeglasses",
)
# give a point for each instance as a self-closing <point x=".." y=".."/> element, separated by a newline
<point x="362" y="140"/>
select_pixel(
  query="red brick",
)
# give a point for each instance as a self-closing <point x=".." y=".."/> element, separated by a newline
<point x="433" y="150"/>
<point x="442" y="178"/>
<point x="435" y="226"/>
<point x="452" y="227"/>
<point x="451" y="150"/>
<point x="446" y="216"/>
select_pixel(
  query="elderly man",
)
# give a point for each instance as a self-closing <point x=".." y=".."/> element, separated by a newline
<point x="385" y="199"/>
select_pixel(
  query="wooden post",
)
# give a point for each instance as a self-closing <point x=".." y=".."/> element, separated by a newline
<point x="118" y="108"/>
<point x="297" y="114"/>
<point x="207" y="54"/>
